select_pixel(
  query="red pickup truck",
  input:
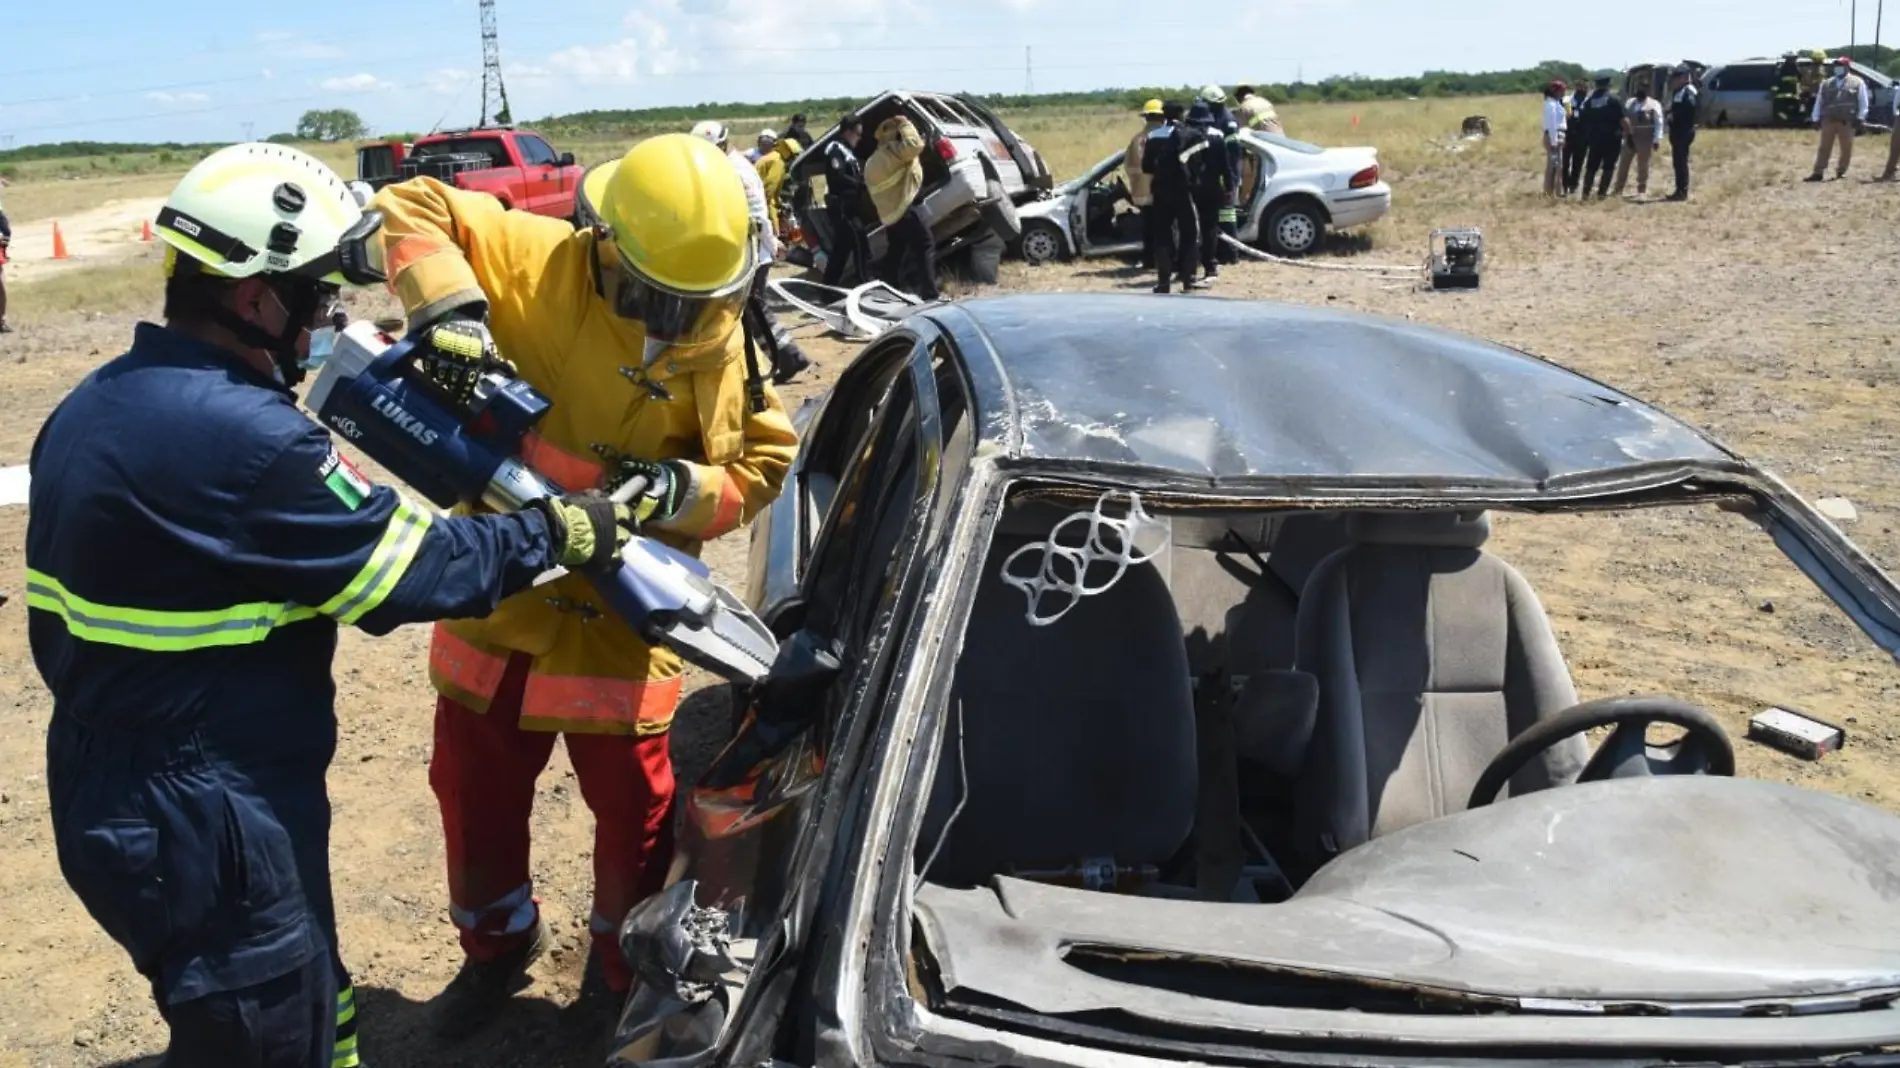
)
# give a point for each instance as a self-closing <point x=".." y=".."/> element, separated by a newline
<point x="516" y="167"/>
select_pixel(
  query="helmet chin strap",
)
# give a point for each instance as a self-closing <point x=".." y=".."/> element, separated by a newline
<point x="282" y="347"/>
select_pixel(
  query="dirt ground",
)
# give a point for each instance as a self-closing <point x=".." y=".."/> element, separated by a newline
<point x="99" y="236"/>
<point x="1764" y="314"/>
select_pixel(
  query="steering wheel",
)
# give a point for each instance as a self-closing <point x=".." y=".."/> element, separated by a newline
<point x="1626" y="753"/>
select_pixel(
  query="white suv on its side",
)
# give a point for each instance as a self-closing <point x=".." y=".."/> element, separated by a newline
<point x="976" y="170"/>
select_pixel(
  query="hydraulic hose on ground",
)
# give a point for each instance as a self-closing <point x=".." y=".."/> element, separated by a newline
<point x="1356" y="268"/>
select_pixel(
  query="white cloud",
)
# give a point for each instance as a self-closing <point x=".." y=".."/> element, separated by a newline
<point x="609" y="64"/>
<point x="282" y="44"/>
<point x="448" y="81"/>
<point x="176" y="100"/>
<point x="526" y="75"/>
<point x="354" y="83"/>
<point x="647" y="50"/>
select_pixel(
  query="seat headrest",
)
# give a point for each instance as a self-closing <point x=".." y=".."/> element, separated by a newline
<point x="1443" y="530"/>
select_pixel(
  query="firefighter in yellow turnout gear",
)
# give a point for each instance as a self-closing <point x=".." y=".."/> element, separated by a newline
<point x="631" y="327"/>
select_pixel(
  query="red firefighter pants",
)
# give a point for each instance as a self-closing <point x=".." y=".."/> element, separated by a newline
<point x="483" y="773"/>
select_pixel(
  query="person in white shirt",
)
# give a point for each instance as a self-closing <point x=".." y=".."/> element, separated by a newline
<point x="787" y="358"/>
<point x="768" y="140"/>
<point x="1643" y="133"/>
<point x="1839" y="107"/>
<point x="1893" y="142"/>
<point x="1556" y="122"/>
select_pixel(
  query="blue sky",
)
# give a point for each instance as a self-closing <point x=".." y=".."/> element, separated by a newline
<point x="199" y="70"/>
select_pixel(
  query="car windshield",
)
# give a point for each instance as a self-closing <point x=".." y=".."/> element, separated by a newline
<point x="458" y="146"/>
<point x="1158" y="706"/>
<point x="1101" y="171"/>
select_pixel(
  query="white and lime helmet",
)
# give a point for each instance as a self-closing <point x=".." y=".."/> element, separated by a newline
<point x="262" y="208"/>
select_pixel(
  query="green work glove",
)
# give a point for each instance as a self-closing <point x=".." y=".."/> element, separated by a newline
<point x="664" y="496"/>
<point x="456" y="352"/>
<point x="588" y="530"/>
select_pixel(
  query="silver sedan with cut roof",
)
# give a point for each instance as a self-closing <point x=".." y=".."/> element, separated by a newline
<point x="1166" y="682"/>
<point x="1291" y="193"/>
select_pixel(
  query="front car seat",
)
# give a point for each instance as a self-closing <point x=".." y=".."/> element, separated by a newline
<point x="1078" y="737"/>
<point x="1431" y="655"/>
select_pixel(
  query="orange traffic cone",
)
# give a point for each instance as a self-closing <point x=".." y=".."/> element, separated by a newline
<point x="1355" y="122"/>
<point x="145" y="231"/>
<point x="59" y="244"/>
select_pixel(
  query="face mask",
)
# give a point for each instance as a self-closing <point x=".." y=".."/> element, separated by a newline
<point x="322" y="344"/>
<point x="322" y="340"/>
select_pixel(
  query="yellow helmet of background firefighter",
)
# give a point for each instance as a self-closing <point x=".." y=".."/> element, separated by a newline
<point x="1152" y="107"/>
<point x="1817" y="55"/>
<point x="677" y="213"/>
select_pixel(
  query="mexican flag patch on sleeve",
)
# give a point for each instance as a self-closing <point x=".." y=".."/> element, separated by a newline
<point x="343" y="479"/>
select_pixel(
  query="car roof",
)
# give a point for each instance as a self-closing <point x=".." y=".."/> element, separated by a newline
<point x="1219" y="389"/>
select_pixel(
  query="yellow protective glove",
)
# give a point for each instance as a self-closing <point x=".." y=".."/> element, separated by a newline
<point x="456" y="352"/>
<point x="588" y="530"/>
<point x="663" y="495"/>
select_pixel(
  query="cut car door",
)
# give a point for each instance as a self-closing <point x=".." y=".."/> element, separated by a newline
<point x="761" y="826"/>
<point x="749" y="817"/>
<point x="784" y="534"/>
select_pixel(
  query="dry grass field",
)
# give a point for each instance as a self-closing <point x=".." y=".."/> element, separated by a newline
<point x="1762" y="310"/>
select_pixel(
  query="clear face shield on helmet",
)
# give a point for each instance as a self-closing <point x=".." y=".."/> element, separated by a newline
<point x="675" y="321"/>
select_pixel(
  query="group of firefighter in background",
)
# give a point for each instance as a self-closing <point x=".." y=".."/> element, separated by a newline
<point x="1185" y="167"/>
<point x="1594" y="138"/>
<point x="892" y="176"/>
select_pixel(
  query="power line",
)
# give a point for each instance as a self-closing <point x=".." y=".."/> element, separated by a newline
<point x="359" y="63"/>
<point x="398" y="87"/>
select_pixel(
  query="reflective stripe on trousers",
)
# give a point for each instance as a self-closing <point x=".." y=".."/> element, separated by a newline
<point x="586" y="704"/>
<point x="346" y="1054"/>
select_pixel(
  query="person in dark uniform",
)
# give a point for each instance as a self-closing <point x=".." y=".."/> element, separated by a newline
<point x="1211" y="180"/>
<point x="1603" y="137"/>
<point x="844" y="199"/>
<point x="186" y="574"/>
<point x="1685" y="103"/>
<point x="1788" y="110"/>
<point x="1574" y="148"/>
<point x="1227" y="127"/>
<point x="797" y="131"/>
<point x="1167" y="160"/>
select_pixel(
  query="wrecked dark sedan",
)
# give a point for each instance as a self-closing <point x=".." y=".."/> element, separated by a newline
<point x="1199" y="680"/>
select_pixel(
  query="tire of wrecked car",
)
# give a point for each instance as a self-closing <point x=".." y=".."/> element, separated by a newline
<point x="1294" y="228"/>
<point x="1042" y="243"/>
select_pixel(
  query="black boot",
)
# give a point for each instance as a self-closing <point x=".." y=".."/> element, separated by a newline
<point x="791" y="361"/>
<point x="477" y="993"/>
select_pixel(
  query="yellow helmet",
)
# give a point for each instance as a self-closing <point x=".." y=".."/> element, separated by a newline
<point x="675" y="213"/>
<point x="1152" y="107"/>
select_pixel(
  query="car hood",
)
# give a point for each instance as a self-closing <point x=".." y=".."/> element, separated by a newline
<point x="1660" y="896"/>
<point x="1054" y="206"/>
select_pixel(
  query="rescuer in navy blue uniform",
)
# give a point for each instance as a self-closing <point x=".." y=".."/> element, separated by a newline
<point x="1228" y="214"/>
<point x="193" y="543"/>
<point x="1177" y="237"/>
<point x="1213" y="184"/>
